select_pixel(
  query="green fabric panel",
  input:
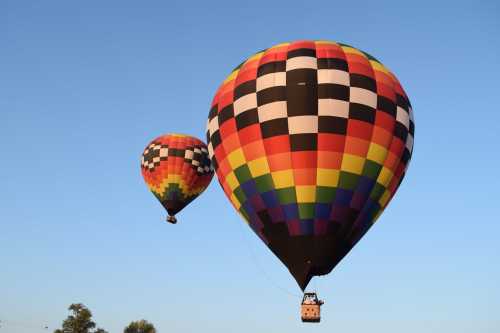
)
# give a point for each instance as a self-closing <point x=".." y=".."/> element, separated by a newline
<point x="348" y="181"/>
<point x="287" y="195"/>
<point x="264" y="183"/>
<point x="243" y="174"/>
<point x="306" y="210"/>
<point x="371" y="169"/>
<point x="325" y="194"/>
<point x="377" y="192"/>
<point x="240" y="195"/>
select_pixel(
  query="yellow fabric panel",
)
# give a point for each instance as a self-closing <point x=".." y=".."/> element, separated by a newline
<point x="352" y="163"/>
<point x="348" y="49"/>
<point x="232" y="181"/>
<point x="305" y="193"/>
<point x="384" y="198"/>
<point x="236" y="158"/>
<point x="283" y="178"/>
<point x="177" y="179"/>
<point x="162" y="187"/>
<point x="379" y="67"/>
<point x="327" y="42"/>
<point x="384" y="177"/>
<point x="327" y="177"/>
<point x="377" y="153"/>
<point x="258" y="167"/>
<point x="256" y="56"/>
<point x="231" y="76"/>
<point x="234" y="200"/>
<point x="158" y="189"/>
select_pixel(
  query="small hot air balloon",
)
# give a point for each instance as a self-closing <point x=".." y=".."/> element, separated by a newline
<point x="310" y="140"/>
<point x="177" y="169"/>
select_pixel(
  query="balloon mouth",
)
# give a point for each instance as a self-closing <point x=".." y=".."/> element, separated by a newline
<point x="171" y="219"/>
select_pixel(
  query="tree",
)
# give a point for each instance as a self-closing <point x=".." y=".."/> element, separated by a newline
<point x="141" y="326"/>
<point x="79" y="321"/>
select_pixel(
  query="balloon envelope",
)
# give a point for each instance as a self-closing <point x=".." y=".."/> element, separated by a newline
<point x="310" y="140"/>
<point x="177" y="169"/>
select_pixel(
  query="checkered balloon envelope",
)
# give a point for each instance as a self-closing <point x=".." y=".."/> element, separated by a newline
<point x="310" y="141"/>
<point x="177" y="169"/>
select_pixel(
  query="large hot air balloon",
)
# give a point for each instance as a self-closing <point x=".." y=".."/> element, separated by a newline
<point x="310" y="140"/>
<point x="176" y="169"/>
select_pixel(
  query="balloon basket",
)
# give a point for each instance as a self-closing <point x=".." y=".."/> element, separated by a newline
<point x="171" y="219"/>
<point x="310" y="309"/>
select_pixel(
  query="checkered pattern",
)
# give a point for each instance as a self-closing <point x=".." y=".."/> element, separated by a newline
<point x="198" y="157"/>
<point x="176" y="169"/>
<point x="314" y="135"/>
<point x="153" y="155"/>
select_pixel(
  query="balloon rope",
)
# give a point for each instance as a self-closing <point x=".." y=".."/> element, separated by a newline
<point x="263" y="272"/>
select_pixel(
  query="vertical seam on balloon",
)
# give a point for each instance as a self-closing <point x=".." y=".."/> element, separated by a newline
<point x="398" y="163"/>
<point x="294" y="186"/>
<point x="403" y="174"/>
<point x="193" y="179"/>
<point x="330" y="210"/>
<point x="363" y="208"/>
<point x="342" y="227"/>
<point x="238" y="137"/>
<point x="366" y="156"/>
<point x="165" y="190"/>
<point x="328" y="61"/>
<point x="266" y="52"/>
<point x="177" y="165"/>
<point x="378" y="174"/>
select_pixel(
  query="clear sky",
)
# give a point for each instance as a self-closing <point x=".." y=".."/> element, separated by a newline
<point x="85" y="85"/>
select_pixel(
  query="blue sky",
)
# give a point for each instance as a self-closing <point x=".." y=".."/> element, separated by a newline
<point x="84" y="86"/>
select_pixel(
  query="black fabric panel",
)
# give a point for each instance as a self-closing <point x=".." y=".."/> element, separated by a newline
<point x="386" y="105"/>
<point x="330" y="124"/>
<point x="406" y="156"/>
<point x="361" y="81"/>
<point x="215" y="139"/>
<point x="302" y="99"/>
<point x="361" y="112"/>
<point x="226" y="114"/>
<point x="245" y="88"/>
<point x="402" y="102"/>
<point x="400" y="131"/>
<point x="176" y="152"/>
<point x="305" y="52"/>
<point x="213" y="112"/>
<point x="333" y="63"/>
<point x="302" y="76"/>
<point x="306" y="141"/>
<point x="215" y="165"/>
<point x="274" y="127"/>
<point x="333" y="91"/>
<point x="272" y="94"/>
<point x="247" y="118"/>
<point x="271" y="67"/>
